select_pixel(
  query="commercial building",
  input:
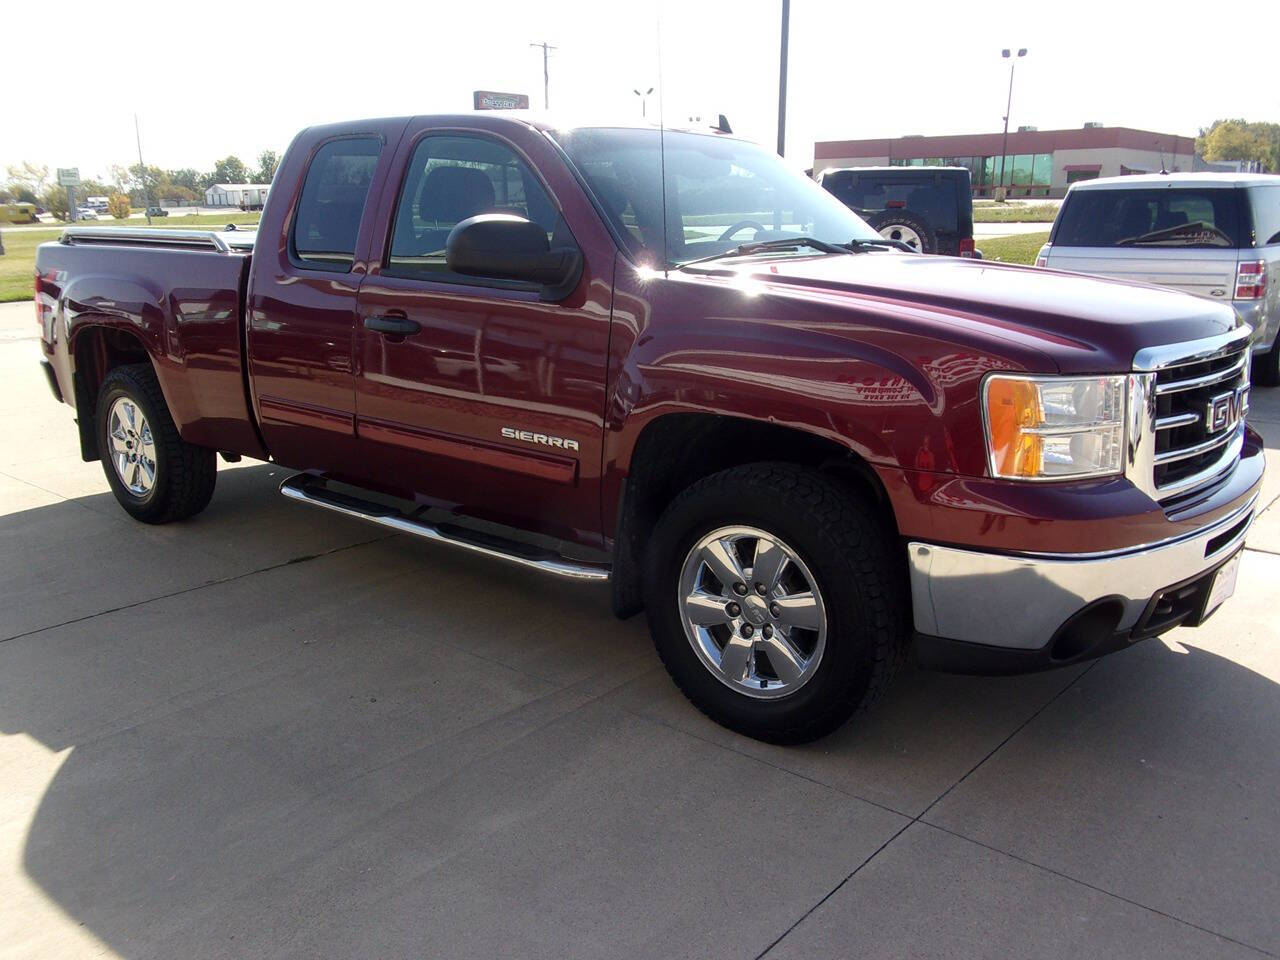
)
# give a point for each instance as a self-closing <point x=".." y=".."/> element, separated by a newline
<point x="246" y="196"/>
<point x="1038" y="163"/>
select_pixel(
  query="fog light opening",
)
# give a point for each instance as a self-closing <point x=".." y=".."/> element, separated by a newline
<point x="1087" y="629"/>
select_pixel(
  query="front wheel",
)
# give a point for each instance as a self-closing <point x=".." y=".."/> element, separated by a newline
<point x="155" y="475"/>
<point x="774" y="601"/>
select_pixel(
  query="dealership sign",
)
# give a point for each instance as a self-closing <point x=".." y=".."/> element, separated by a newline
<point x="492" y="100"/>
<point x="68" y="176"/>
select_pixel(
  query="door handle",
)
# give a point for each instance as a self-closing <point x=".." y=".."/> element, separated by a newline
<point x="400" y="326"/>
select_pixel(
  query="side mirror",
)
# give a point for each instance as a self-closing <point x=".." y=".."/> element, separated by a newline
<point x="506" y="247"/>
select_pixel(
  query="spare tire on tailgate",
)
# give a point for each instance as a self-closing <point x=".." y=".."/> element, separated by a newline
<point x="906" y="226"/>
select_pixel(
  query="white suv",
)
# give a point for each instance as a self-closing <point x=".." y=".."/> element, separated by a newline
<point x="1216" y="235"/>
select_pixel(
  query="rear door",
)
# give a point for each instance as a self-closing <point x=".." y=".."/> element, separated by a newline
<point x="302" y="303"/>
<point x="1184" y="237"/>
<point x="493" y="405"/>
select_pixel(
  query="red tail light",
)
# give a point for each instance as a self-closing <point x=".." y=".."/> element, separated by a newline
<point x="1251" y="280"/>
<point x="966" y="246"/>
<point x="1042" y="261"/>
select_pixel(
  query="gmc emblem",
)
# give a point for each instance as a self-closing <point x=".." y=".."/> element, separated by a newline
<point x="1225" y="410"/>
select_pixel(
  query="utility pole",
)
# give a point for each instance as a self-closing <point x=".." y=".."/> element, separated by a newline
<point x="546" y="76"/>
<point x="142" y="169"/>
<point x="644" y="101"/>
<point x="1004" y="156"/>
<point x="782" y="78"/>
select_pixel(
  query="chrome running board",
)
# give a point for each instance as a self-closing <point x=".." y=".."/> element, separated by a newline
<point x="313" y="490"/>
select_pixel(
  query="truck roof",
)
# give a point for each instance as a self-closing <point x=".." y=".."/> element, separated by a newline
<point x="1175" y="180"/>
<point x="536" y="119"/>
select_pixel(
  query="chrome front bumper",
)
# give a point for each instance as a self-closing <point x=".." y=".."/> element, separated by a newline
<point x="1019" y="601"/>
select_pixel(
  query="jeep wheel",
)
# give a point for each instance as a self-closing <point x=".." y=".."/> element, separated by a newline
<point x="774" y="601"/>
<point x="907" y="228"/>
<point x="155" y="475"/>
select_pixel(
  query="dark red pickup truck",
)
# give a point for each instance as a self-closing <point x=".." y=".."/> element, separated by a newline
<point x="666" y="360"/>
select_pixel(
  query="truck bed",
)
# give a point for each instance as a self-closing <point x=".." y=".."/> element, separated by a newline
<point x="179" y="294"/>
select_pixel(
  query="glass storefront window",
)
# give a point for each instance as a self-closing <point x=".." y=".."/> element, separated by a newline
<point x="1021" y="170"/>
<point x="1042" y="169"/>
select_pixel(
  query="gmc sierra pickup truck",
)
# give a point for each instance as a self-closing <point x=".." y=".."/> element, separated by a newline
<point x="663" y="359"/>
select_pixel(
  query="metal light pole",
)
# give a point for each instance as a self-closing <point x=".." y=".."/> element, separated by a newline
<point x="142" y="169"/>
<point x="782" y="78"/>
<point x="1004" y="151"/>
<point x="644" y="100"/>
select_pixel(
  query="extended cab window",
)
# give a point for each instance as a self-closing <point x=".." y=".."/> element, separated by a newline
<point x="332" y="203"/>
<point x="451" y="178"/>
<point x="1163" y="217"/>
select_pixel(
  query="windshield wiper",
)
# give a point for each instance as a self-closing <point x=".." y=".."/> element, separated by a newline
<point x="864" y="243"/>
<point x="781" y="243"/>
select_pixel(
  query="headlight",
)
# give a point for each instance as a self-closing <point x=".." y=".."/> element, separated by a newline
<point x="1054" y="428"/>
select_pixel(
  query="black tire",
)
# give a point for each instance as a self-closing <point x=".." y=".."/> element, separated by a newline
<point x="889" y="219"/>
<point x="1266" y="366"/>
<point x="185" y="474"/>
<point x="853" y="560"/>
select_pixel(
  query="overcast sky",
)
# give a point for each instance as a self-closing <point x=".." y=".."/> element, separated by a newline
<point x="208" y="81"/>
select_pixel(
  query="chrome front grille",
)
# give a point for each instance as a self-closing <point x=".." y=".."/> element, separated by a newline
<point x="1187" y="404"/>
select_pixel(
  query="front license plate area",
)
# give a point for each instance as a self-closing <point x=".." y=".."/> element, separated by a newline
<point x="1224" y="585"/>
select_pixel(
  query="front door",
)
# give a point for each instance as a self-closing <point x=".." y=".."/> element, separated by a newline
<point x="477" y="395"/>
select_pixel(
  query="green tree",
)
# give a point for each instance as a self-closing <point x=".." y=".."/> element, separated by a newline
<point x="230" y="170"/>
<point x="1241" y="140"/>
<point x="267" y="163"/>
<point x="54" y="199"/>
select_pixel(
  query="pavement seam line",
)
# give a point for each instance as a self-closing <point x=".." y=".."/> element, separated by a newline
<point x="1097" y="889"/>
<point x="199" y="586"/>
<point x="920" y="816"/>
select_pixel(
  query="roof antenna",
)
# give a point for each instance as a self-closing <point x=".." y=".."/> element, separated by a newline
<point x="662" y="151"/>
<point x="723" y="125"/>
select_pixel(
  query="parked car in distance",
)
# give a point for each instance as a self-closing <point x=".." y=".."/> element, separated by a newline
<point x="798" y="449"/>
<point x="928" y="208"/>
<point x="86" y="213"/>
<point x="1215" y="235"/>
<point x="157" y="212"/>
<point x="18" y="213"/>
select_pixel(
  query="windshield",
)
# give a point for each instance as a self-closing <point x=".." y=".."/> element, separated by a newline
<point x="1163" y="217"/>
<point x="721" y="193"/>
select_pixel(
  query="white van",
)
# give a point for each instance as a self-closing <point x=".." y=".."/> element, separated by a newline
<point x="1216" y="235"/>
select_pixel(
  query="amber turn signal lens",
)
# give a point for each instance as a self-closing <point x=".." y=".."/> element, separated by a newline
<point x="1012" y="407"/>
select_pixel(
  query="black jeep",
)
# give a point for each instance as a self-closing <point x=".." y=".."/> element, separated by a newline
<point x="928" y="208"/>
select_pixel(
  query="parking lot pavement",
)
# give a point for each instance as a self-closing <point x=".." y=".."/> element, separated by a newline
<point x="273" y="732"/>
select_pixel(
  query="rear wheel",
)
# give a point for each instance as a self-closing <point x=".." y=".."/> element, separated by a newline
<point x="774" y="601"/>
<point x="1266" y="366"/>
<point x="906" y="227"/>
<point x="155" y="475"/>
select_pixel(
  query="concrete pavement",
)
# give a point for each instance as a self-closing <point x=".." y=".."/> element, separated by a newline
<point x="274" y="732"/>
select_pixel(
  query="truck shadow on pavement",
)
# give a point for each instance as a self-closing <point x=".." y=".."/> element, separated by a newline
<point x="292" y="736"/>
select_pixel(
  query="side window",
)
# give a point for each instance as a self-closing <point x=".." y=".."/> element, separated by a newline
<point x="332" y="203"/>
<point x="452" y="178"/>
<point x="1266" y="215"/>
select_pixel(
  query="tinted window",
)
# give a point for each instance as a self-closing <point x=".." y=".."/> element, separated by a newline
<point x="332" y="203"/>
<point x="933" y="200"/>
<point x="1266" y="215"/>
<point x="1164" y="217"/>
<point x="453" y="178"/>
<point x="720" y="192"/>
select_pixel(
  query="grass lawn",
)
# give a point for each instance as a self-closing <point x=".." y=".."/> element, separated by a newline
<point x="1020" y="249"/>
<point x="1019" y="213"/>
<point x="17" y="266"/>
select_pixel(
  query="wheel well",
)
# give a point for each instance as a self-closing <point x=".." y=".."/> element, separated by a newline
<point x="677" y="450"/>
<point x="98" y="351"/>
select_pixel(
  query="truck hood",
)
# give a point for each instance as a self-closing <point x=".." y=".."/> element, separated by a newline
<point x="1082" y="324"/>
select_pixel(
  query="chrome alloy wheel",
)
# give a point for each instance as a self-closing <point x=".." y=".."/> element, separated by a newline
<point x="133" y="449"/>
<point x="752" y="612"/>
<point x="897" y="231"/>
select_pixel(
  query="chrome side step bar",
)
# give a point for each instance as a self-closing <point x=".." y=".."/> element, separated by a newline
<point x="312" y="490"/>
